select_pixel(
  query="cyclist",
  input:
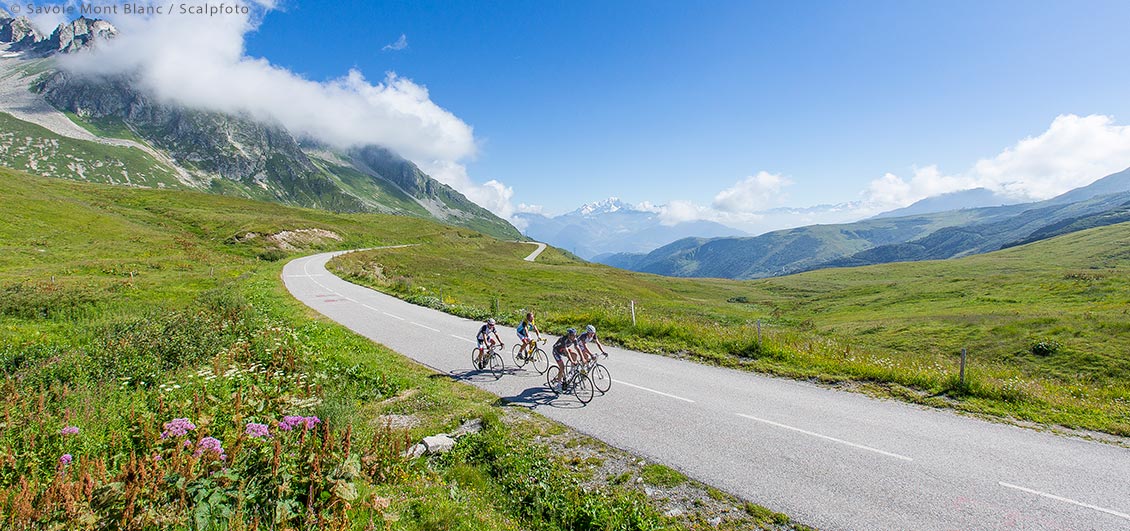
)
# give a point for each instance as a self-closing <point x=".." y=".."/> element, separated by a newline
<point x="583" y="347"/>
<point x="483" y="338"/>
<point x="561" y="349"/>
<point x="524" y="331"/>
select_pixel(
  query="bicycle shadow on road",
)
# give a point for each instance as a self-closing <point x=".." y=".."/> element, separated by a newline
<point x="541" y="396"/>
<point x="481" y="375"/>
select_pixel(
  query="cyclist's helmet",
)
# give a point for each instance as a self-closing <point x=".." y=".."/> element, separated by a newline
<point x="590" y="329"/>
<point x="572" y="331"/>
<point x="490" y="321"/>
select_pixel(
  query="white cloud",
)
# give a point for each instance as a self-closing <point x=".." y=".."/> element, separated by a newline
<point x="1074" y="151"/>
<point x="400" y="44"/>
<point x="530" y="209"/>
<point x="751" y="194"/>
<point x="200" y="62"/>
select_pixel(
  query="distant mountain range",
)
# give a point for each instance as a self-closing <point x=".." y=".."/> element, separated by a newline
<point x="598" y="229"/>
<point x="928" y="235"/>
<point x="188" y="148"/>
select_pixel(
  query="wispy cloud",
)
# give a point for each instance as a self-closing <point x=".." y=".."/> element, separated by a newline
<point x="400" y="44"/>
<point x="199" y="62"/>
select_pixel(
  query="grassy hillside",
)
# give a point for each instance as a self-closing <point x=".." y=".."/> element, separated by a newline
<point x="1045" y="323"/>
<point x="35" y="149"/>
<point x="124" y="310"/>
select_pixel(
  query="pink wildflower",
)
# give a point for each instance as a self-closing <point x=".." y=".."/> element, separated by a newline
<point x="65" y="459"/>
<point x="258" y="431"/>
<point x="69" y="430"/>
<point x="210" y="444"/>
<point x="177" y="428"/>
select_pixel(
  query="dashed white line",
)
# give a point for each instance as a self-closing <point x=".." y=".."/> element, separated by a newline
<point x="653" y="391"/>
<point x="424" y="326"/>
<point x="461" y="338"/>
<point x="393" y="316"/>
<point x="1065" y="500"/>
<point x="833" y="439"/>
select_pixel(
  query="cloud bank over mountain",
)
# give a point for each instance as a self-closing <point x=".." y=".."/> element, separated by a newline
<point x="200" y="62"/>
<point x="1073" y="152"/>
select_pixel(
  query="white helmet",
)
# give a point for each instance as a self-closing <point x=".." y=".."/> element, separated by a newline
<point x="590" y="329"/>
<point x="490" y="321"/>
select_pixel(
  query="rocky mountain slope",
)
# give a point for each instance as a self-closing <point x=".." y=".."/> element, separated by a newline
<point x="210" y="151"/>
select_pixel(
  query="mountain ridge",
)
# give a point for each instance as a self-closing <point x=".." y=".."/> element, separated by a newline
<point x="930" y="236"/>
<point x="230" y="154"/>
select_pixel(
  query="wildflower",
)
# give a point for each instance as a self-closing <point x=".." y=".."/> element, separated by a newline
<point x="210" y="444"/>
<point x="258" y="431"/>
<point x="69" y="430"/>
<point x="65" y="459"/>
<point x="177" y="428"/>
<point x="291" y="422"/>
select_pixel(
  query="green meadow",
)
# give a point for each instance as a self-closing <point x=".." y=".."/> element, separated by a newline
<point x="1044" y="325"/>
<point x="158" y="376"/>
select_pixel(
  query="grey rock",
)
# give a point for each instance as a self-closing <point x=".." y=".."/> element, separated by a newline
<point x="470" y="427"/>
<point x="715" y="522"/>
<point x="438" y="444"/>
<point x="674" y="512"/>
<point x="415" y="451"/>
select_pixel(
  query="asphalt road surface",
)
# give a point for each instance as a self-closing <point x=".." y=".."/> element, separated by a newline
<point x="829" y="459"/>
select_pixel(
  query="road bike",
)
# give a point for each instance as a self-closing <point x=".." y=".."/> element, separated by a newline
<point x="599" y="374"/>
<point x="577" y="381"/>
<point x="491" y="360"/>
<point x="530" y="352"/>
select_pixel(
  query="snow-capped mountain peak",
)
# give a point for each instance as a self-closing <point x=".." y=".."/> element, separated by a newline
<point x="612" y="204"/>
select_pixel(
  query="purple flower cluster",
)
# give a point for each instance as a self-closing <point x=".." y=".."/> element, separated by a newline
<point x="258" y="431"/>
<point x="177" y="428"/>
<point x="65" y="459"/>
<point x="210" y="444"/>
<point x="291" y="422"/>
<point x="69" y="430"/>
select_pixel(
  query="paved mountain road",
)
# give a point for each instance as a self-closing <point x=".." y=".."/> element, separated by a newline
<point x="830" y="459"/>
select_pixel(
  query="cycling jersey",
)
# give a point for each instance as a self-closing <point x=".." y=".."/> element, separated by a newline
<point x="584" y="338"/>
<point x="523" y="329"/>
<point x="483" y="332"/>
<point x="560" y="346"/>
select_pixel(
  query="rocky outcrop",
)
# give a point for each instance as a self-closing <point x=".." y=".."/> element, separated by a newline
<point x="20" y="32"/>
<point x="76" y="35"/>
<point x="68" y="37"/>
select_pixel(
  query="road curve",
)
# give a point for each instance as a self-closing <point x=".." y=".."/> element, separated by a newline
<point x="829" y="459"/>
<point x="534" y="255"/>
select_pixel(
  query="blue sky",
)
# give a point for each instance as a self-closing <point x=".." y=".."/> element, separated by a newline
<point x="711" y="110"/>
<point x="656" y="101"/>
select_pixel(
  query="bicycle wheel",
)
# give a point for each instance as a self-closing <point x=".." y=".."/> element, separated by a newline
<point x="475" y="359"/>
<point x="496" y="365"/>
<point x="601" y="379"/>
<point x="520" y="358"/>
<point x="582" y="388"/>
<point x="550" y="375"/>
<point x="541" y="361"/>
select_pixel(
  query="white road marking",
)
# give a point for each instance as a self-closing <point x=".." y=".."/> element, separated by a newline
<point x="304" y="276"/>
<point x="393" y="316"/>
<point x="425" y="327"/>
<point x="833" y="439"/>
<point x="653" y="391"/>
<point x="1065" y="500"/>
<point x="461" y="338"/>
